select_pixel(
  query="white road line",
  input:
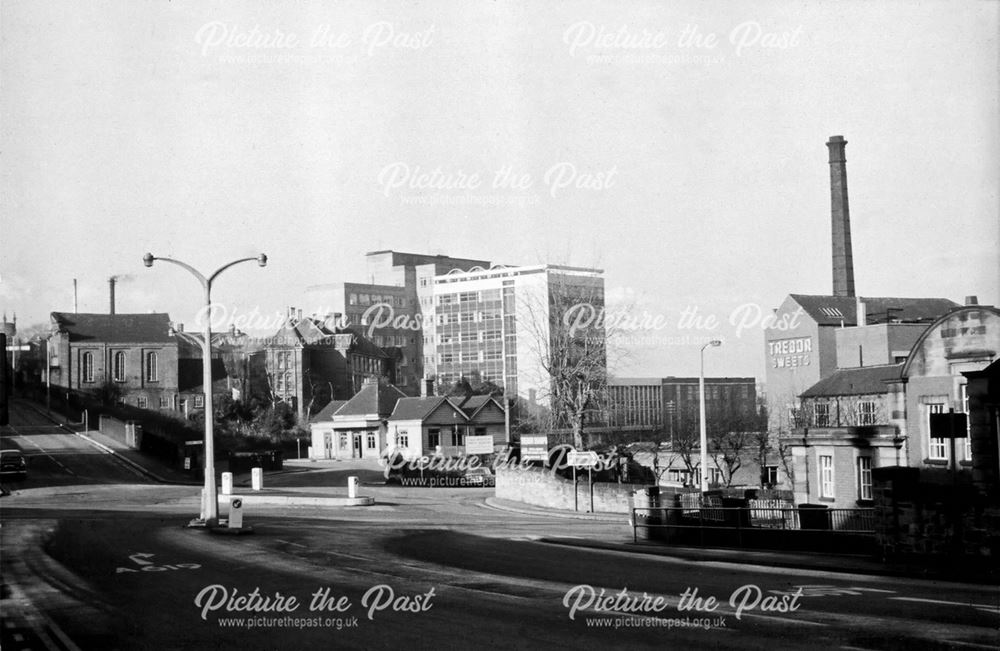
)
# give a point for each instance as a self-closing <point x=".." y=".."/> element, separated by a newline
<point x="946" y="603"/>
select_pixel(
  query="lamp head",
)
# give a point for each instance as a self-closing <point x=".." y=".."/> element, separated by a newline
<point x="262" y="260"/>
<point x="148" y="259"/>
<point x="715" y="342"/>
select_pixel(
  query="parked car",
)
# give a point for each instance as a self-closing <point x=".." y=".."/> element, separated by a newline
<point x="13" y="465"/>
<point x="479" y="477"/>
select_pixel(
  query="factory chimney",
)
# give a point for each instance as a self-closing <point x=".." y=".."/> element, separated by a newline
<point x="843" y="258"/>
<point x="111" y="293"/>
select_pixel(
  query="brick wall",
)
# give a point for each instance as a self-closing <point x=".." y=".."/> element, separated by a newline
<point x="543" y="488"/>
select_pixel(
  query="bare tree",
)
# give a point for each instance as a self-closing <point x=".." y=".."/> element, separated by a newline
<point x="566" y="328"/>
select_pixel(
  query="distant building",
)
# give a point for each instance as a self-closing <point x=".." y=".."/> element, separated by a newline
<point x="670" y="405"/>
<point x="866" y="417"/>
<point x="802" y="347"/>
<point x="394" y="306"/>
<point x="498" y="324"/>
<point x="135" y="353"/>
<point x="310" y="361"/>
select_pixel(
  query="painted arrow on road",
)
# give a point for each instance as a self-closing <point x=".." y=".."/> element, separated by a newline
<point x="137" y="559"/>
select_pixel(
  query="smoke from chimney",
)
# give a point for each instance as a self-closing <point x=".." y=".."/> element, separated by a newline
<point x="843" y="257"/>
<point x="111" y="294"/>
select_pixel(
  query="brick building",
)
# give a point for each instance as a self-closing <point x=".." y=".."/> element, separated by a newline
<point x="134" y="353"/>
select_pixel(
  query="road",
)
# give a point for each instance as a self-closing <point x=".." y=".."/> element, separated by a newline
<point x="109" y="565"/>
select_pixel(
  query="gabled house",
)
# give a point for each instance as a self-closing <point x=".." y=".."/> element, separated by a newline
<point x="440" y="425"/>
<point x="355" y="428"/>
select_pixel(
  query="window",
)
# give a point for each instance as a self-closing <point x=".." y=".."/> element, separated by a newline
<point x="164" y="402"/>
<point x="457" y="437"/>
<point x="963" y="397"/>
<point x="867" y="412"/>
<point x="199" y="401"/>
<point x="152" y="363"/>
<point x="87" y="367"/>
<point x="864" y="478"/>
<point x="714" y="476"/>
<point x="822" y="414"/>
<point x="119" y="369"/>
<point x="826" y="476"/>
<point x="371" y="441"/>
<point x="142" y="402"/>
<point x="423" y="281"/>
<point x="480" y="431"/>
<point x="352" y="299"/>
<point x="769" y="475"/>
<point x="403" y="439"/>
<point x="433" y="438"/>
<point x="938" y="448"/>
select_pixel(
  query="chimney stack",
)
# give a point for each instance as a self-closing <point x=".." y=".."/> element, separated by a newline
<point x="862" y="313"/>
<point x="972" y="300"/>
<point x="843" y="258"/>
<point x="111" y="293"/>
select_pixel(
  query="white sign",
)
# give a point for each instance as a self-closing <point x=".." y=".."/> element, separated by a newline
<point x="535" y="448"/>
<point x="588" y="458"/>
<point x="236" y="513"/>
<point x="479" y="444"/>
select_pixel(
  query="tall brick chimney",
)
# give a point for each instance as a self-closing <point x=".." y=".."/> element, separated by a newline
<point x="111" y="293"/>
<point x="843" y="258"/>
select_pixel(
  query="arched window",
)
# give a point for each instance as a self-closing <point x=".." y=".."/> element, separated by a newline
<point x="119" y="367"/>
<point x="152" y="373"/>
<point x="87" y="367"/>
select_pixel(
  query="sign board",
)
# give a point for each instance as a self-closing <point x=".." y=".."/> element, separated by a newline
<point x="479" y="444"/>
<point x="198" y="442"/>
<point x="535" y="448"/>
<point x="583" y="459"/>
<point x="235" y="513"/>
<point x="950" y="425"/>
<point x="187" y="463"/>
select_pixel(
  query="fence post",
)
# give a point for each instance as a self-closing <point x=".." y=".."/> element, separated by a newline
<point x="739" y="530"/>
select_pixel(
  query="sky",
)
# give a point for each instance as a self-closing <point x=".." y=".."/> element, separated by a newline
<point x="681" y="148"/>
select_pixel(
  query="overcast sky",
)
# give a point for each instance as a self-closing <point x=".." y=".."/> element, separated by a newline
<point x="680" y="148"/>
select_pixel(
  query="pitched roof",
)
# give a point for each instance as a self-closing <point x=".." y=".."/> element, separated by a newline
<point x="114" y="328"/>
<point x="834" y="310"/>
<point x="326" y="413"/>
<point x="416" y="408"/>
<point x="855" y="381"/>
<point x="374" y="398"/>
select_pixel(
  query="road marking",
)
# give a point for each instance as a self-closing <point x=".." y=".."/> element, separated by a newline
<point x="289" y="542"/>
<point x="40" y="449"/>
<point x="946" y="603"/>
<point x="139" y="559"/>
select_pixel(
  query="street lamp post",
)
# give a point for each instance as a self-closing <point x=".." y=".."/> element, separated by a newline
<point x="210" y="505"/>
<point x="701" y="410"/>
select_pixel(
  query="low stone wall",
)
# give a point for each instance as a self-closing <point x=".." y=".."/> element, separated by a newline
<point x="542" y="488"/>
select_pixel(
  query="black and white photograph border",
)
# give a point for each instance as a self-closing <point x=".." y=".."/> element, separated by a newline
<point x="512" y="324"/>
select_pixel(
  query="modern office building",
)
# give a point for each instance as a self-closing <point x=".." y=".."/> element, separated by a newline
<point x="504" y="324"/>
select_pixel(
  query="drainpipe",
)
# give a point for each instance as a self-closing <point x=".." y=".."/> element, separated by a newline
<point x="805" y="445"/>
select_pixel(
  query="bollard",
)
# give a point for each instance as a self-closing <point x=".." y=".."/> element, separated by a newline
<point x="352" y="487"/>
<point x="257" y="478"/>
<point x="235" y="512"/>
<point x="227" y="483"/>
